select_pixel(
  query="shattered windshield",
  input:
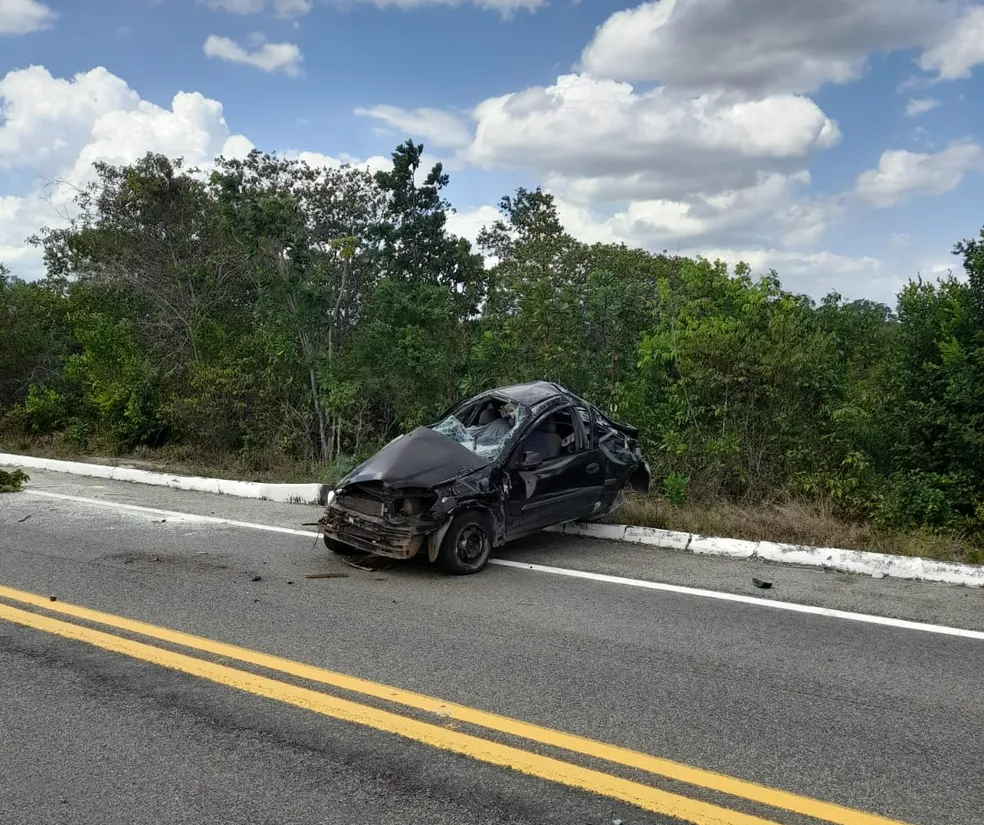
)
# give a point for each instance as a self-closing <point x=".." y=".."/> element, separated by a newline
<point x="486" y="439"/>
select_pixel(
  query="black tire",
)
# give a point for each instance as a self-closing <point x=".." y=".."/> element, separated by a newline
<point x="338" y="547"/>
<point x="467" y="546"/>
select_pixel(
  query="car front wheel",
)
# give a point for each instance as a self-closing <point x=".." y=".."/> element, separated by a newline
<point x="467" y="546"/>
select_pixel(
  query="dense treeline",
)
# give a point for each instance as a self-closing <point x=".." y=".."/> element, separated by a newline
<point x="272" y="311"/>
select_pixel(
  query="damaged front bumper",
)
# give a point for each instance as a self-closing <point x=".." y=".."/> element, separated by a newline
<point x="395" y="539"/>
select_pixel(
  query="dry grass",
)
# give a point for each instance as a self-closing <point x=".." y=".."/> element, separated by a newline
<point x="180" y="461"/>
<point x="793" y="522"/>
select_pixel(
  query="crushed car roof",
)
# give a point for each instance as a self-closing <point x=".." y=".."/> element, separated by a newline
<point x="541" y="395"/>
<point x="531" y="394"/>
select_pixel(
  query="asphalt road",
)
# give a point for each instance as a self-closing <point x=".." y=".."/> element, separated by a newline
<point x="875" y="718"/>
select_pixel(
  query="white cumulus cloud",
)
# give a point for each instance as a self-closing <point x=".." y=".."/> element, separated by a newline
<point x="759" y="46"/>
<point x="505" y="7"/>
<point x="960" y="50"/>
<point x="24" y="16"/>
<point x="817" y="273"/>
<point x="813" y="273"/>
<point x="467" y="223"/>
<point x="295" y="8"/>
<point x="433" y="126"/>
<point x="902" y="174"/>
<point x="374" y="163"/>
<point x="617" y="142"/>
<point x="770" y="205"/>
<point x="918" y="106"/>
<point x="270" y="57"/>
<point x="651" y="168"/>
<point x="48" y="120"/>
<point x="282" y="8"/>
<point x="56" y="128"/>
<point x="773" y="211"/>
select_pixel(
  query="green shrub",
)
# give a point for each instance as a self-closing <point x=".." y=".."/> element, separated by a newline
<point x="675" y="487"/>
<point x="337" y="470"/>
<point x="919" y="499"/>
<point x="44" y="409"/>
<point x="11" y="482"/>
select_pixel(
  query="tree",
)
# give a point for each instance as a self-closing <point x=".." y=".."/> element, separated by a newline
<point x="33" y="338"/>
<point x="271" y="310"/>
<point x="938" y="422"/>
<point x="739" y="374"/>
<point x="307" y="236"/>
<point x="532" y="313"/>
<point x="416" y="321"/>
<point x="151" y="230"/>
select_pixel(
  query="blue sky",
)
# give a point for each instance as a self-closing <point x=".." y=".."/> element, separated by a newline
<point x="766" y="130"/>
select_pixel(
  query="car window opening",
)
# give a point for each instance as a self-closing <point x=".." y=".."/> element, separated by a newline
<point x="553" y="437"/>
<point x="489" y="427"/>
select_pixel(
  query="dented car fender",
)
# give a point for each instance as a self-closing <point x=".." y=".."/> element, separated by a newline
<point x="494" y="509"/>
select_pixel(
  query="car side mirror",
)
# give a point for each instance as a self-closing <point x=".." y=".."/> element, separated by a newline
<point x="530" y="460"/>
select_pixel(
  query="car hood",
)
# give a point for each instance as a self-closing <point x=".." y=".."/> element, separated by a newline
<point x="420" y="459"/>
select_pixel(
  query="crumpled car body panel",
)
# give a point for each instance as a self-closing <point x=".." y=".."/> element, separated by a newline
<point x="403" y="499"/>
<point x="422" y="458"/>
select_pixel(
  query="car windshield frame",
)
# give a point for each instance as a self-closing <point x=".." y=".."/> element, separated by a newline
<point x="487" y="441"/>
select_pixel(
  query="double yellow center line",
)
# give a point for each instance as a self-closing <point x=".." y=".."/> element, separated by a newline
<point x="436" y="735"/>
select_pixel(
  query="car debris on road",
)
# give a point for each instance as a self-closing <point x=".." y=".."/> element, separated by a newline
<point x="498" y="466"/>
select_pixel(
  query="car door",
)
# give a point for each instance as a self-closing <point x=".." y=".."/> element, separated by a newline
<point x="595" y="487"/>
<point x="564" y="487"/>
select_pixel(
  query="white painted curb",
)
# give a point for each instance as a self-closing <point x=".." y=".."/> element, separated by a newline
<point x="284" y="493"/>
<point x="878" y="565"/>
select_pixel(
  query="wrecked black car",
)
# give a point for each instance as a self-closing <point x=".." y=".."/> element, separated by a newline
<point x="501" y="465"/>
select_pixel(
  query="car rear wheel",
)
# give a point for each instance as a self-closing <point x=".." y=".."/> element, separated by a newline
<point x="467" y="546"/>
<point x="338" y="547"/>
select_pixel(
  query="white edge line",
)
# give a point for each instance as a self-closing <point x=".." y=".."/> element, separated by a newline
<point x="849" y="561"/>
<point x="176" y="514"/>
<point x="866" y="563"/>
<point x="904" y="624"/>
<point x="736" y="597"/>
